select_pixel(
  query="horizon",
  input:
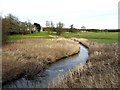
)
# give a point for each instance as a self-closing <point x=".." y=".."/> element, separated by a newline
<point x="91" y="14"/>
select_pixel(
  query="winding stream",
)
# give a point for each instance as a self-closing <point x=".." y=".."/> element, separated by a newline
<point x="60" y="67"/>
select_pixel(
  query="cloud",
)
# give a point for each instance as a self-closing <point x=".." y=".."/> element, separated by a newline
<point x="67" y="11"/>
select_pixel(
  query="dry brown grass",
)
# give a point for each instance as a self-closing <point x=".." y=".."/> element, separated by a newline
<point x="102" y="70"/>
<point x="31" y="56"/>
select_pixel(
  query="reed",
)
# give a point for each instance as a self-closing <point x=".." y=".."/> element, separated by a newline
<point x="101" y="71"/>
<point x="30" y="56"/>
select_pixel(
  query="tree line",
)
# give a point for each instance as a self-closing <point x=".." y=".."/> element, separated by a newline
<point x="11" y="25"/>
<point x="59" y="28"/>
<point x="50" y="27"/>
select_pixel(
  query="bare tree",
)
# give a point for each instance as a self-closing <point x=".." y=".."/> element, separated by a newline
<point x="71" y="28"/>
<point x="59" y="28"/>
<point x="47" y="24"/>
<point x="51" y="24"/>
<point x="83" y="27"/>
<point x="51" y="27"/>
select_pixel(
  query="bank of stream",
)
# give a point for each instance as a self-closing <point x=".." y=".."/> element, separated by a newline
<point x="60" y="67"/>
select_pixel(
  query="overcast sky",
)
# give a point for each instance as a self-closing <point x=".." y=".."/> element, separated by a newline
<point x="89" y="13"/>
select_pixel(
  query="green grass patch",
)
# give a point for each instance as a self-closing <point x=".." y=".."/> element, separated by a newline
<point x="29" y="36"/>
<point x="100" y="37"/>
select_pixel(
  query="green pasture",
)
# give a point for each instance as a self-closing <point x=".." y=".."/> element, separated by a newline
<point x="100" y="37"/>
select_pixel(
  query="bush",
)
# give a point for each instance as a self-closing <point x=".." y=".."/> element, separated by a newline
<point x="4" y="32"/>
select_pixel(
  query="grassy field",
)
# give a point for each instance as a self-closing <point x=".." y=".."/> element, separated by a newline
<point x="29" y="36"/>
<point x="44" y="51"/>
<point x="101" y="71"/>
<point x="100" y="37"/>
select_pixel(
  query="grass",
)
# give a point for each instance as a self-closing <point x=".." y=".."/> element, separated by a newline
<point x="101" y="71"/>
<point x="35" y="35"/>
<point x="100" y="37"/>
<point x="34" y="53"/>
<point x="30" y="56"/>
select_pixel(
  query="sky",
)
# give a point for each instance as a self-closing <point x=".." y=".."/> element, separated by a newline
<point x="93" y="14"/>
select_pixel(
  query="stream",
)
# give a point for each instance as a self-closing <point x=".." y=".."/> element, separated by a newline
<point x="61" y="67"/>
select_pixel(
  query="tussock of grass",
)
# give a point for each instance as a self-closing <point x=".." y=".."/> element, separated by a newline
<point x="101" y="71"/>
<point x="31" y="56"/>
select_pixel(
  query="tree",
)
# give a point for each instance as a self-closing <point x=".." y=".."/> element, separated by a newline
<point x="38" y="26"/>
<point x="71" y="28"/>
<point x="51" y="24"/>
<point x="12" y="24"/>
<point x="29" y="26"/>
<point x="51" y="27"/>
<point x="23" y="28"/>
<point x="83" y="27"/>
<point x="47" y="24"/>
<point x="4" y="31"/>
<point x="59" y="28"/>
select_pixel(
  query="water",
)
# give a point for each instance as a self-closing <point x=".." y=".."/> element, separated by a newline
<point x="60" y="67"/>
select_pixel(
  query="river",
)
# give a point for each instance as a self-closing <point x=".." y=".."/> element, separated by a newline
<point x="60" y="67"/>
